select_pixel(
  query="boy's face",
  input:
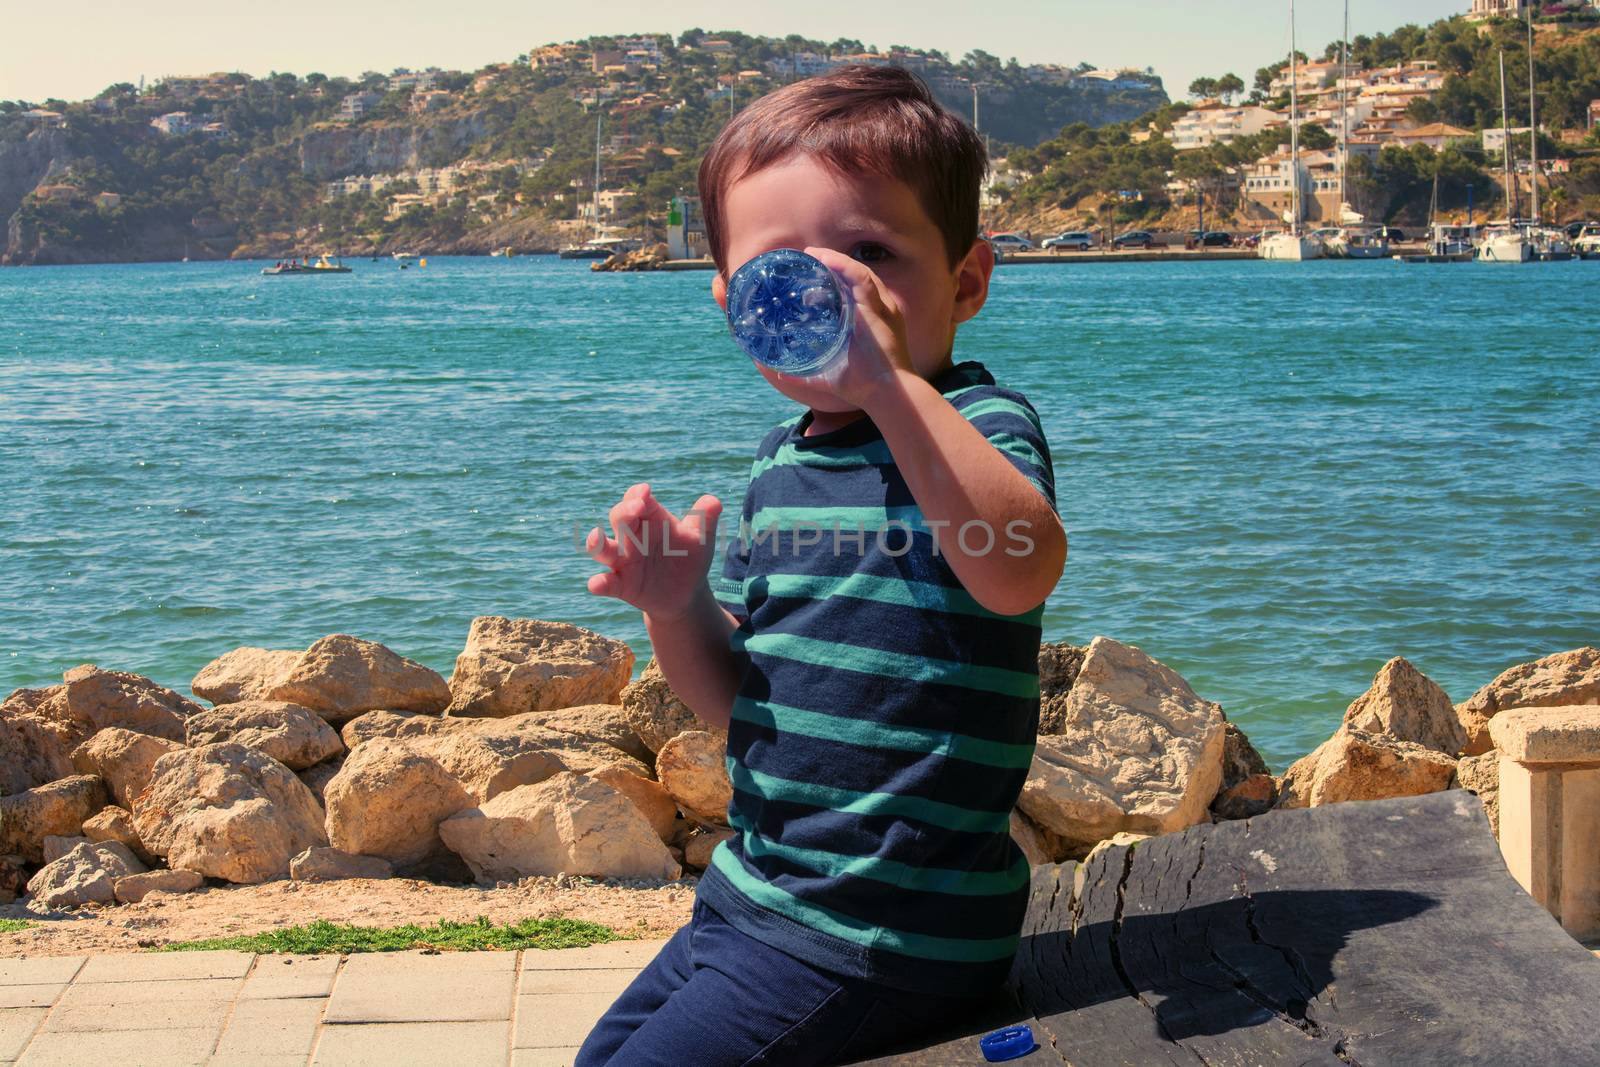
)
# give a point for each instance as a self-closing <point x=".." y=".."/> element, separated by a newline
<point x="800" y="201"/>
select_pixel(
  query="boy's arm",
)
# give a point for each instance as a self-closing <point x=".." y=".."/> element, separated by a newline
<point x="957" y="476"/>
<point x="694" y="654"/>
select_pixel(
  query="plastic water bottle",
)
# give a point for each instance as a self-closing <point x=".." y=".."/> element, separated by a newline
<point x="790" y="312"/>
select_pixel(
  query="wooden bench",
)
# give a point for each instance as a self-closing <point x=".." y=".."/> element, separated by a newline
<point x="1386" y="932"/>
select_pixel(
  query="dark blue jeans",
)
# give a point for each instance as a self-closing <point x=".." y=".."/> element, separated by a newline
<point x="716" y="997"/>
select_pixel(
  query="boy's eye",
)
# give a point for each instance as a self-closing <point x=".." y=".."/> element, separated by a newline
<point x="872" y="252"/>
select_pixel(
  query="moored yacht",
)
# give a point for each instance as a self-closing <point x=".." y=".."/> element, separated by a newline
<point x="1293" y="245"/>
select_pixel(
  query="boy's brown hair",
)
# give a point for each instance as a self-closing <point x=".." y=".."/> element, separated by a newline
<point x="856" y="119"/>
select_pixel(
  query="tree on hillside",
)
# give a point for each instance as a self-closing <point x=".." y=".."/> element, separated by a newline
<point x="1229" y="86"/>
<point x="1202" y="88"/>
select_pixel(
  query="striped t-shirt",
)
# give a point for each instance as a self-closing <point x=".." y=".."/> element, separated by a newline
<point x="884" y="721"/>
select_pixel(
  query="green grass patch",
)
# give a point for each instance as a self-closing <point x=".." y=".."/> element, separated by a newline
<point x="325" y="938"/>
<point x="11" y="926"/>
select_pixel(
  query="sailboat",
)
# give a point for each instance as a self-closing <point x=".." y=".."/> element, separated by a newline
<point x="1293" y="245"/>
<point x="600" y="245"/>
<point x="1353" y="239"/>
<point x="1446" y="243"/>
<point x="1505" y="242"/>
<point x="1549" y="242"/>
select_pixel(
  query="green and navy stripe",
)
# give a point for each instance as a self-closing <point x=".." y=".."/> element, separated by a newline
<point x="885" y="720"/>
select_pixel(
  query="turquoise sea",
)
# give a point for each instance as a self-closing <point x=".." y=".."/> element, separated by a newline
<point x="1273" y="476"/>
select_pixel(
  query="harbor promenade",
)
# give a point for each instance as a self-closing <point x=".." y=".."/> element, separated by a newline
<point x="526" y="1009"/>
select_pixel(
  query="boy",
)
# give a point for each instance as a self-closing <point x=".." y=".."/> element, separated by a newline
<point x="872" y="644"/>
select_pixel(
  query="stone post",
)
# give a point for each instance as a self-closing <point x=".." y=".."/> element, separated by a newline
<point x="1550" y="809"/>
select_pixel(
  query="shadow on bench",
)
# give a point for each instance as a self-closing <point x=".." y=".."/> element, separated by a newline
<point x="1386" y="932"/>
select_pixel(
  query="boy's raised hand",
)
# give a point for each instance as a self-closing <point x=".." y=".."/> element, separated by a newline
<point x="878" y="347"/>
<point x="657" y="561"/>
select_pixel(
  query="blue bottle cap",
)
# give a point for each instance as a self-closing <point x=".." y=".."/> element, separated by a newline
<point x="789" y="312"/>
<point x="1007" y="1044"/>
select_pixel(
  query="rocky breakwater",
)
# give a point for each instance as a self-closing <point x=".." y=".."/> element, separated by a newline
<point x="539" y="757"/>
<point x="650" y="257"/>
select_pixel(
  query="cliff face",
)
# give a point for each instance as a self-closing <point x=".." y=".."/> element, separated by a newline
<point x="328" y="152"/>
<point x="38" y="157"/>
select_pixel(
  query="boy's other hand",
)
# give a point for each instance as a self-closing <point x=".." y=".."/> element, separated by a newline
<point x="657" y="561"/>
<point x="878" y="347"/>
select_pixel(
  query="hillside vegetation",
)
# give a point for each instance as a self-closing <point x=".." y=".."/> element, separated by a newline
<point x="1074" y="178"/>
<point x="256" y="182"/>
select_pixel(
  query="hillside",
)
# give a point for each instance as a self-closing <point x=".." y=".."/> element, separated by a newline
<point x="1078" y="178"/>
<point x="229" y="165"/>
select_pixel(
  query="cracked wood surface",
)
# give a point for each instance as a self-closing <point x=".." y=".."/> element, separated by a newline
<point x="1383" y="932"/>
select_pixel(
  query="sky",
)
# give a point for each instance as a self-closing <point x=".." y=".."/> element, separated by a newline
<point x="52" y="54"/>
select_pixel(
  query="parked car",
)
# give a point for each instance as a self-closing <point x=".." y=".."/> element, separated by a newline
<point x="1134" y="239"/>
<point x="1254" y="240"/>
<point x="1391" y="233"/>
<point x="1010" y="242"/>
<point x="1574" y="229"/>
<point x="1209" y="239"/>
<point x="1072" y="240"/>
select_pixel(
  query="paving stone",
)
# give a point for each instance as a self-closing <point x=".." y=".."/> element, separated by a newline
<point x="288" y="977"/>
<point x="131" y="1015"/>
<point x="433" y="1044"/>
<point x="610" y="954"/>
<point x="611" y="980"/>
<point x="544" y="1057"/>
<point x="39" y="970"/>
<point x="16" y="1027"/>
<point x="271" y="1028"/>
<point x="552" y="1020"/>
<point x="29" y="996"/>
<point x="165" y="967"/>
<point x="453" y="987"/>
<point x="152" y="1048"/>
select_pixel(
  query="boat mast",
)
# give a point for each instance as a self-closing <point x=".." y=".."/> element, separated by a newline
<point x="1344" y="109"/>
<point x="1505" y="133"/>
<point x="597" y="115"/>
<point x="1533" y="125"/>
<point x="1294" y="129"/>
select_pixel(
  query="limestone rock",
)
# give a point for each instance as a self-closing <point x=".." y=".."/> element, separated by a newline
<point x="1405" y="704"/>
<point x="655" y="712"/>
<point x="317" y="778"/>
<point x="648" y="795"/>
<point x="1255" y="795"/>
<point x="13" y="878"/>
<point x="123" y="758"/>
<point x="1037" y="843"/>
<point x="58" y="809"/>
<point x="1240" y="760"/>
<point x="56" y="847"/>
<point x="132" y="888"/>
<point x="243" y="674"/>
<point x="292" y="734"/>
<point x="494" y="755"/>
<point x="85" y="875"/>
<point x="340" y="676"/>
<point x="697" y="851"/>
<point x="388" y="800"/>
<point x="37" y="751"/>
<point x="91" y="699"/>
<point x="1138" y="751"/>
<point x="332" y="864"/>
<point x="1561" y="680"/>
<point x="1358" y="765"/>
<point x="1481" y="775"/>
<point x="1059" y="664"/>
<point x="606" y="723"/>
<point x="395" y="724"/>
<point x="116" y="824"/>
<point x="568" y="822"/>
<point x="228" y="812"/>
<point x="513" y="666"/>
<point x="692" y="768"/>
